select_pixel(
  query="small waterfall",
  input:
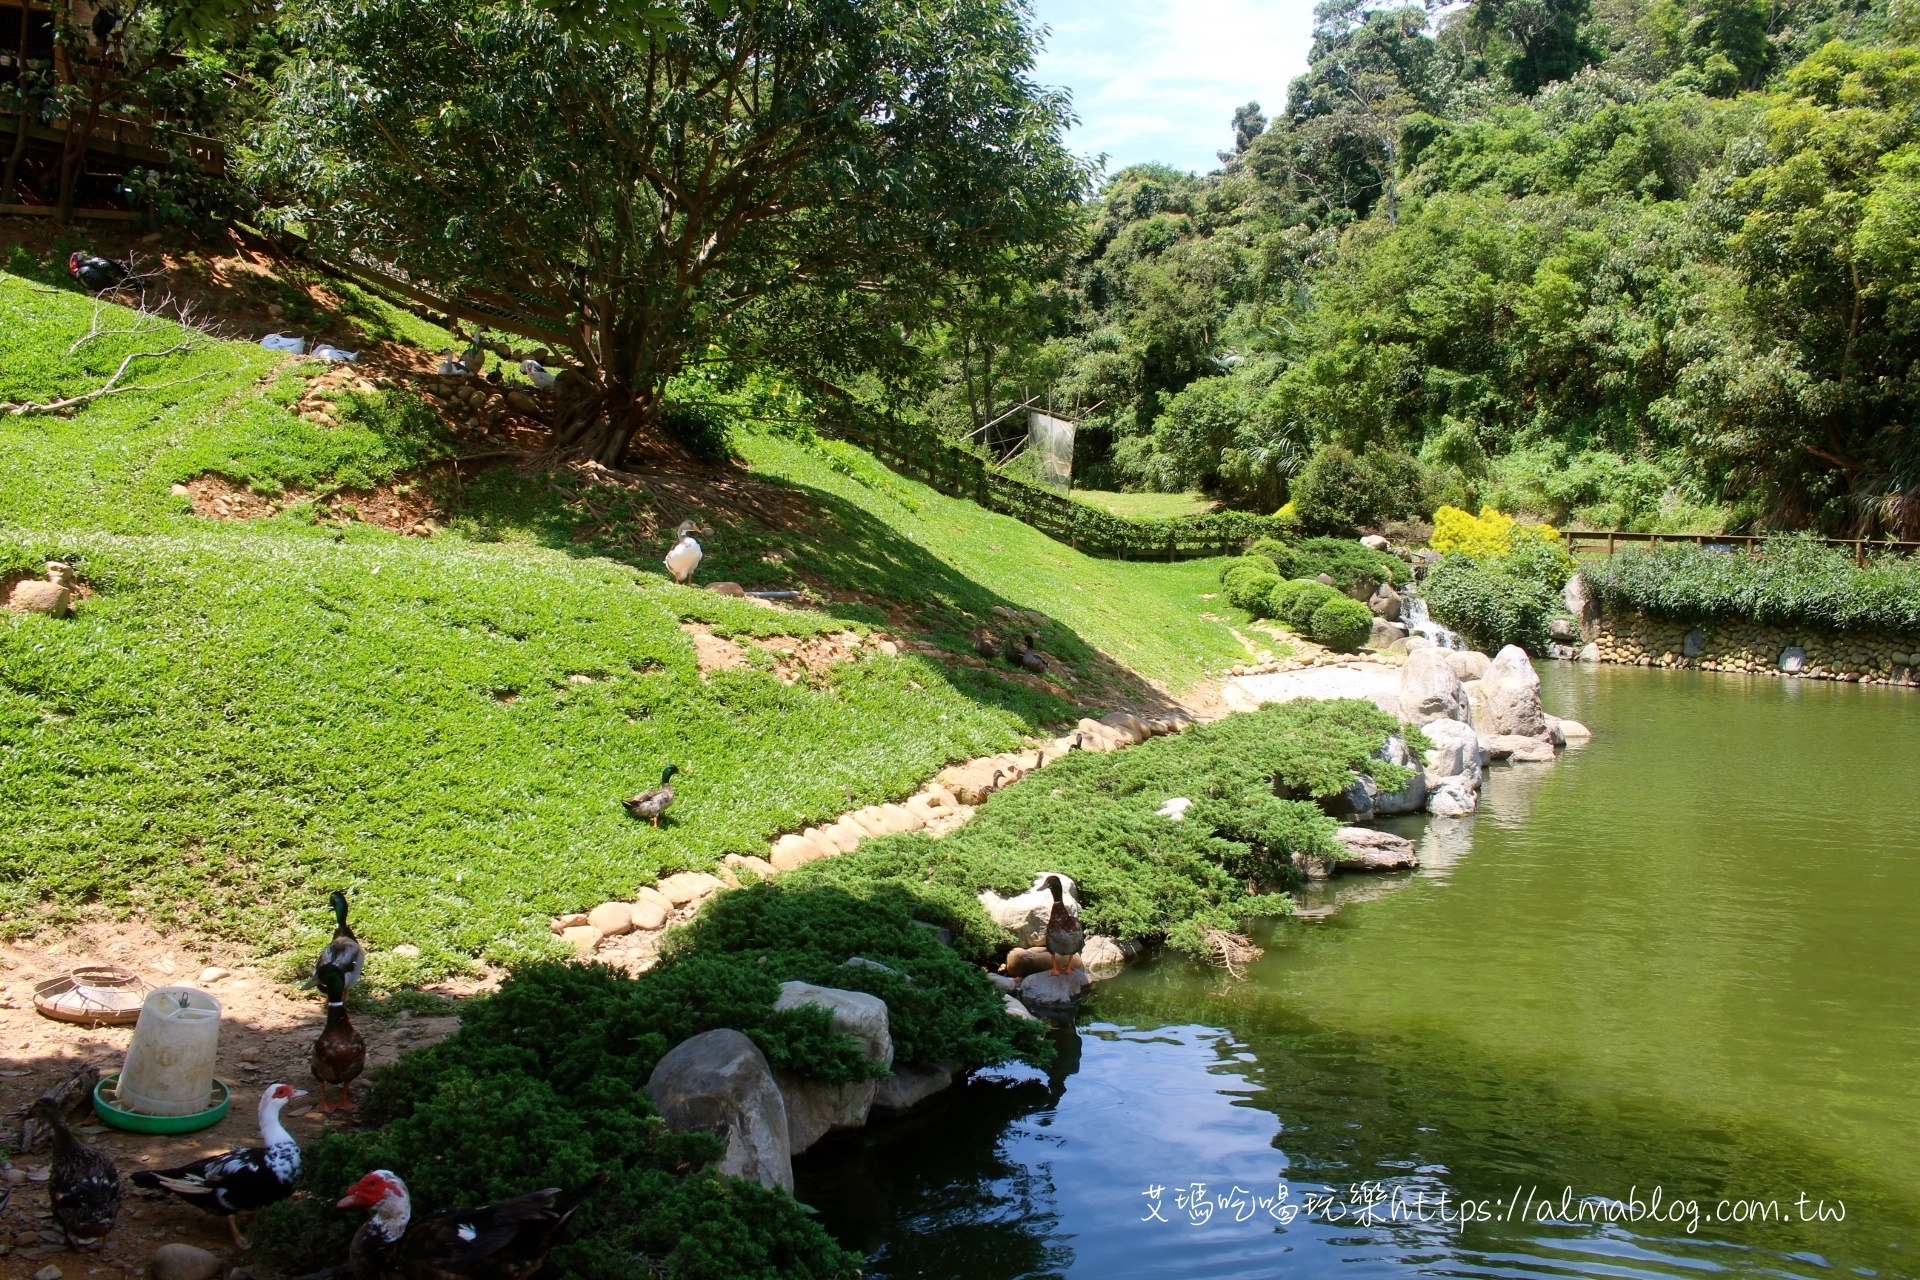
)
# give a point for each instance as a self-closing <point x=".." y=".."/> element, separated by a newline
<point x="1413" y="612"/>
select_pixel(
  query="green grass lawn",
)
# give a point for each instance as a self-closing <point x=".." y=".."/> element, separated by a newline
<point x="1145" y="506"/>
<point x="246" y="715"/>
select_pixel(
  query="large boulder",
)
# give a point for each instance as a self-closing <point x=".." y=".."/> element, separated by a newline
<point x="1429" y="689"/>
<point x="719" y="1081"/>
<point x="1410" y="798"/>
<point x="1511" y="689"/>
<point x="1468" y="664"/>
<point x="1356" y="803"/>
<point x="855" y="1013"/>
<point x="814" y="1107"/>
<point x="1457" y="752"/>
<point x="1385" y="633"/>
<point x="1025" y="915"/>
<point x="1385" y="603"/>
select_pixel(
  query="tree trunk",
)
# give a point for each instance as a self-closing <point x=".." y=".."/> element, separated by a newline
<point x="598" y="423"/>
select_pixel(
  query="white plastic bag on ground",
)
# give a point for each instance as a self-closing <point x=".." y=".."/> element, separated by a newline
<point x="327" y="351"/>
<point x="285" y="342"/>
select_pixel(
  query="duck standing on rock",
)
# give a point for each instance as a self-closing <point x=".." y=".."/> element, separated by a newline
<point x="344" y="954"/>
<point x="686" y="555"/>
<point x="83" y="1187"/>
<point x="340" y="1053"/>
<point x="242" y="1181"/>
<point x="505" y="1241"/>
<point x="1065" y="937"/>
<point x="651" y="804"/>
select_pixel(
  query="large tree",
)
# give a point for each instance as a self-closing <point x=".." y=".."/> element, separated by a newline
<point x="783" y="183"/>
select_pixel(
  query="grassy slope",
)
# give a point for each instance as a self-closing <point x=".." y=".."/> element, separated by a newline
<point x="248" y="715"/>
<point x="1145" y="506"/>
<point x="1146" y="616"/>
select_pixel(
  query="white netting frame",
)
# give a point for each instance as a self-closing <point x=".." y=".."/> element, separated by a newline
<point x="1050" y="441"/>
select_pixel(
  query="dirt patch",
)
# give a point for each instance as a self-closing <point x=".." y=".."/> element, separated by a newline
<point x="266" y="1034"/>
<point x="793" y="659"/>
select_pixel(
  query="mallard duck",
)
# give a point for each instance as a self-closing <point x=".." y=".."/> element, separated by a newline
<point x="1032" y="659"/>
<point x="339" y="1054"/>
<point x="344" y="953"/>
<point x="505" y="1241"/>
<point x="242" y="1181"/>
<point x="83" y="1187"/>
<point x="651" y="804"/>
<point x="686" y="554"/>
<point x="1065" y="937"/>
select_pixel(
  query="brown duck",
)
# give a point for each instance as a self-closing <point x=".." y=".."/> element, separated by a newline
<point x="1065" y="937"/>
<point x="339" y="1055"/>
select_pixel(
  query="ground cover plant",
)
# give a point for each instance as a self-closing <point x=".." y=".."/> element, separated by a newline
<point x="1792" y="581"/>
<point x="542" y="1084"/>
<point x="1254" y="780"/>
<point x="245" y="714"/>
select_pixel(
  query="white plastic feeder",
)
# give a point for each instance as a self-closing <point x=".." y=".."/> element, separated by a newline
<point x="169" y="1067"/>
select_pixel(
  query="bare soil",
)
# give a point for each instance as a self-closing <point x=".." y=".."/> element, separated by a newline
<point x="266" y="1034"/>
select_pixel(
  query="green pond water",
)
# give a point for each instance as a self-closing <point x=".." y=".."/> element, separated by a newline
<point x="1679" y="967"/>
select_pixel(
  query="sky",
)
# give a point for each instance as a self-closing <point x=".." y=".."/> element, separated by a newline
<point x="1159" y="79"/>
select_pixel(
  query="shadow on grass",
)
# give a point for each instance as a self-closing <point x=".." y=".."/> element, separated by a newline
<point x="773" y="534"/>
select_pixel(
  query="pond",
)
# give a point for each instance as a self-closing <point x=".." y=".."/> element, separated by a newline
<point x="1654" y="1010"/>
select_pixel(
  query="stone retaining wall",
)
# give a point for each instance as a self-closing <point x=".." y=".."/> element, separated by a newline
<point x="1862" y="657"/>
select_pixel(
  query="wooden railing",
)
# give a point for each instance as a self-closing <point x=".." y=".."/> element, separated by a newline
<point x="961" y="474"/>
<point x="1607" y="541"/>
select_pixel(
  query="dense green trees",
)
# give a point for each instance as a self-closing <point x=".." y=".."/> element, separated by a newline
<point x="790" y="186"/>
<point x="1652" y="265"/>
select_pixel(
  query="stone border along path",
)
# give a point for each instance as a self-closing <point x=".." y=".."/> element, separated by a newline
<point x="627" y="934"/>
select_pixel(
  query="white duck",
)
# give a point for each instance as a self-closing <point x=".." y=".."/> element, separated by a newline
<point x="537" y="374"/>
<point x="686" y="554"/>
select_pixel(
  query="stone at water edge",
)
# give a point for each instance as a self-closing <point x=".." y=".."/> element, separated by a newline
<point x="1511" y="688"/>
<point x="719" y="1081"/>
<point x="1590" y="652"/>
<point x="907" y="1087"/>
<point x="1453" y="798"/>
<point x="814" y="1108"/>
<point x="1562" y="630"/>
<point x="1537" y="751"/>
<point x="1457" y="751"/>
<point x="1025" y="915"/>
<point x="1102" y="955"/>
<point x="1022" y="961"/>
<point x="1056" y="990"/>
<point x="1574" y="731"/>
<point x="182" y="1262"/>
<point x="1015" y="1009"/>
<point x="1410" y="798"/>
<point x="1693" y="644"/>
<point x="1429" y="689"/>
<point x="1793" y="659"/>
<point x="1372" y="850"/>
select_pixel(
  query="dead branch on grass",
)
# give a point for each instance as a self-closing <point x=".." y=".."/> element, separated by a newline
<point x="112" y="386"/>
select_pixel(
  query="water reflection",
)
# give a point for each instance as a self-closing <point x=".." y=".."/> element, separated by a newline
<point x="1654" y="965"/>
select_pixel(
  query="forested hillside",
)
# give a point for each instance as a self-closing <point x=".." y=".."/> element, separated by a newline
<point x="1647" y="265"/>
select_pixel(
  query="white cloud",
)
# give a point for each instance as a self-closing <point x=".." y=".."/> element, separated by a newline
<point x="1159" y="79"/>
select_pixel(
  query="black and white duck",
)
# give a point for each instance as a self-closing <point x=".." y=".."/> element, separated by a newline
<point x="83" y="1187"/>
<point x="505" y="1241"/>
<point x="242" y="1181"/>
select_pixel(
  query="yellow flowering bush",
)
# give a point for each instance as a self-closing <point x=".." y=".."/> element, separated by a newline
<point x="1492" y="534"/>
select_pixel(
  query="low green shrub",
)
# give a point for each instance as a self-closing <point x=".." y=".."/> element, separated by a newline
<point x="542" y="1085"/>
<point x="1795" y="581"/>
<point x="1305" y="601"/>
<point x="1490" y="604"/>
<point x="1342" y="624"/>
<point x="1281" y="596"/>
<point x="1249" y="588"/>
<point x="1252" y="560"/>
<point x="1349" y="564"/>
<point x="1339" y="491"/>
<point x="1094" y="817"/>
